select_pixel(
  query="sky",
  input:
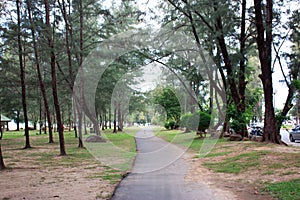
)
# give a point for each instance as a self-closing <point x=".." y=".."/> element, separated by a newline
<point x="280" y="89"/>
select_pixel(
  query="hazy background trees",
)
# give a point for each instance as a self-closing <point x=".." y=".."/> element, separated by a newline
<point x="44" y="43"/>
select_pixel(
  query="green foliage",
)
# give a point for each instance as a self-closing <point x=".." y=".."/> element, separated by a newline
<point x="185" y="120"/>
<point x="238" y="124"/>
<point x="296" y="84"/>
<point x="167" y="125"/>
<point x="239" y="121"/>
<point x="288" y="190"/>
<point x="196" y="121"/>
<point x="167" y="99"/>
<point x="171" y="125"/>
<point x="204" y="120"/>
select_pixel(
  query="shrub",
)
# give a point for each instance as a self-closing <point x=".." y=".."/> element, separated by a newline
<point x="172" y="124"/>
<point x="204" y="120"/>
<point x="196" y="120"/>
<point x="167" y="125"/>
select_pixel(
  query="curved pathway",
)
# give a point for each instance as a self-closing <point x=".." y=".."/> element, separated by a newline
<point x="159" y="173"/>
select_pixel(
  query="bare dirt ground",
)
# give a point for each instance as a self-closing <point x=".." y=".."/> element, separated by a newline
<point x="80" y="182"/>
<point x="247" y="185"/>
<point x="31" y="176"/>
<point x="227" y="185"/>
<point x="59" y="183"/>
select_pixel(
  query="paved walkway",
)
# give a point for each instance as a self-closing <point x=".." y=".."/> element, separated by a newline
<point x="158" y="174"/>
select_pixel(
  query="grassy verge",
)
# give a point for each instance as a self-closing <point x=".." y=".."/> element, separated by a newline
<point x="235" y="164"/>
<point x="190" y="140"/>
<point x="287" y="190"/>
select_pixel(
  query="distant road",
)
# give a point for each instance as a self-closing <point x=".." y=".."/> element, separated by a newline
<point x="285" y="137"/>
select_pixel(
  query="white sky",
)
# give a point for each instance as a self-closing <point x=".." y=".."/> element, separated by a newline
<point x="150" y="79"/>
<point x="280" y="88"/>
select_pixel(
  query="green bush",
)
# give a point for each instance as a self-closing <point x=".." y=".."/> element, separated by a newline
<point x="196" y="120"/>
<point x="185" y="120"/>
<point x="204" y="120"/>
<point x="172" y="124"/>
<point x="167" y="125"/>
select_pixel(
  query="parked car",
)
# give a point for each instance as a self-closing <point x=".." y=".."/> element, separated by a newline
<point x="295" y="134"/>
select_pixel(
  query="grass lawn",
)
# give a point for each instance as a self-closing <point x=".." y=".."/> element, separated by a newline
<point x="287" y="190"/>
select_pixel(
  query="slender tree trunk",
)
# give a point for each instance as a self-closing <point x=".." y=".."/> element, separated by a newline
<point x="109" y="118"/>
<point x="103" y="121"/>
<point x="84" y="122"/>
<point x="75" y="117"/>
<point x="264" y="42"/>
<point x="22" y="75"/>
<point x="80" y="143"/>
<point x="67" y="27"/>
<point x="2" y="165"/>
<point x="120" y="128"/>
<point x="41" y="82"/>
<point x="53" y="82"/>
<point x="81" y="71"/>
<point x="18" y="120"/>
<point x="69" y="119"/>
<point x="115" y="120"/>
<point x="242" y="71"/>
<point x="40" y="123"/>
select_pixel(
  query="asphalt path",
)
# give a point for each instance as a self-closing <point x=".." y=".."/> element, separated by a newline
<point x="159" y="174"/>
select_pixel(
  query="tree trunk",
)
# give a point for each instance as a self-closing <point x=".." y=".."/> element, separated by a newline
<point x="2" y="165"/>
<point x="45" y="122"/>
<point x="80" y="143"/>
<point x="105" y="120"/>
<point x="237" y="88"/>
<point x="75" y="117"/>
<point x="109" y="118"/>
<point x="53" y="82"/>
<point x="84" y="122"/>
<point x="22" y="75"/>
<point x="115" y="120"/>
<point x="102" y="117"/>
<point x="264" y="42"/>
<point x="120" y="128"/>
<point x="18" y="120"/>
<point x="41" y="82"/>
<point x="69" y="119"/>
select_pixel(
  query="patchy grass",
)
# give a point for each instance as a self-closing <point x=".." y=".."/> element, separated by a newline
<point x="287" y="190"/>
<point x="218" y="154"/>
<point x="288" y="173"/>
<point x="236" y="163"/>
<point x="118" y="151"/>
<point x="113" y="178"/>
<point x="190" y="140"/>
